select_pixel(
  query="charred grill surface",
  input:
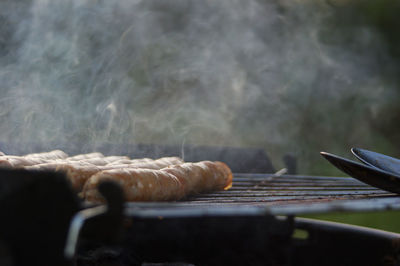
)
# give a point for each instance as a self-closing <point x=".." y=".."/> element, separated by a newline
<point x="278" y="195"/>
<point x="269" y="189"/>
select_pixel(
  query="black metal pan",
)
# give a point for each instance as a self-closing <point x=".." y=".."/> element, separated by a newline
<point x="378" y="160"/>
<point x="368" y="174"/>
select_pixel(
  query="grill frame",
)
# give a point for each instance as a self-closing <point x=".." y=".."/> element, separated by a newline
<point x="326" y="243"/>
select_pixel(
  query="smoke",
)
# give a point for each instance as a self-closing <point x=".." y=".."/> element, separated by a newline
<point x="244" y="73"/>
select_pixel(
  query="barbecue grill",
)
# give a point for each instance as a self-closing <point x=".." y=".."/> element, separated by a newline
<point x="253" y="223"/>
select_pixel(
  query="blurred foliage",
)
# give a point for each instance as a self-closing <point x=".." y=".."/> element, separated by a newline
<point x="383" y="15"/>
<point x="367" y="120"/>
<point x="378" y="129"/>
<point x="388" y="220"/>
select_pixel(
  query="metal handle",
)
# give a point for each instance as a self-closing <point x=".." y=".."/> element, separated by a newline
<point x="77" y="223"/>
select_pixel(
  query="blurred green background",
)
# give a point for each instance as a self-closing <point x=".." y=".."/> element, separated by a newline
<point x="382" y="16"/>
<point x="287" y="76"/>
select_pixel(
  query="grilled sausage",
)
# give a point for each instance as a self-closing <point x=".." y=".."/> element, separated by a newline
<point x="78" y="172"/>
<point x="13" y="161"/>
<point x="51" y="155"/>
<point x="170" y="183"/>
<point x="86" y="156"/>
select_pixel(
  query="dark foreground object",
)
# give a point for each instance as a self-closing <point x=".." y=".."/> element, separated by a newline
<point x="260" y="240"/>
<point x="38" y="208"/>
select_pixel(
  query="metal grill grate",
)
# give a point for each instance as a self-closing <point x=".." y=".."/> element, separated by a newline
<point x="269" y="189"/>
<point x="278" y="195"/>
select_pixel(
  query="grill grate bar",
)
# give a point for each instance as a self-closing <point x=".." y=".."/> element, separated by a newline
<point x="251" y="194"/>
<point x="274" y="199"/>
<point x="247" y="177"/>
<point x="276" y="179"/>
<point x="270" y="189"/>
<point x="298" y="185"/>
<point x="289" y="192"/>
<point x="285" y="180"/>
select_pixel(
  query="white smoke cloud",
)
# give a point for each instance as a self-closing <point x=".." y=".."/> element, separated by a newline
<point x="250" y="73"/>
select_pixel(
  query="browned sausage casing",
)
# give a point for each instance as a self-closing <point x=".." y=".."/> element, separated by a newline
<point x="171" y="183"/>
<point x="79" y="172"/>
